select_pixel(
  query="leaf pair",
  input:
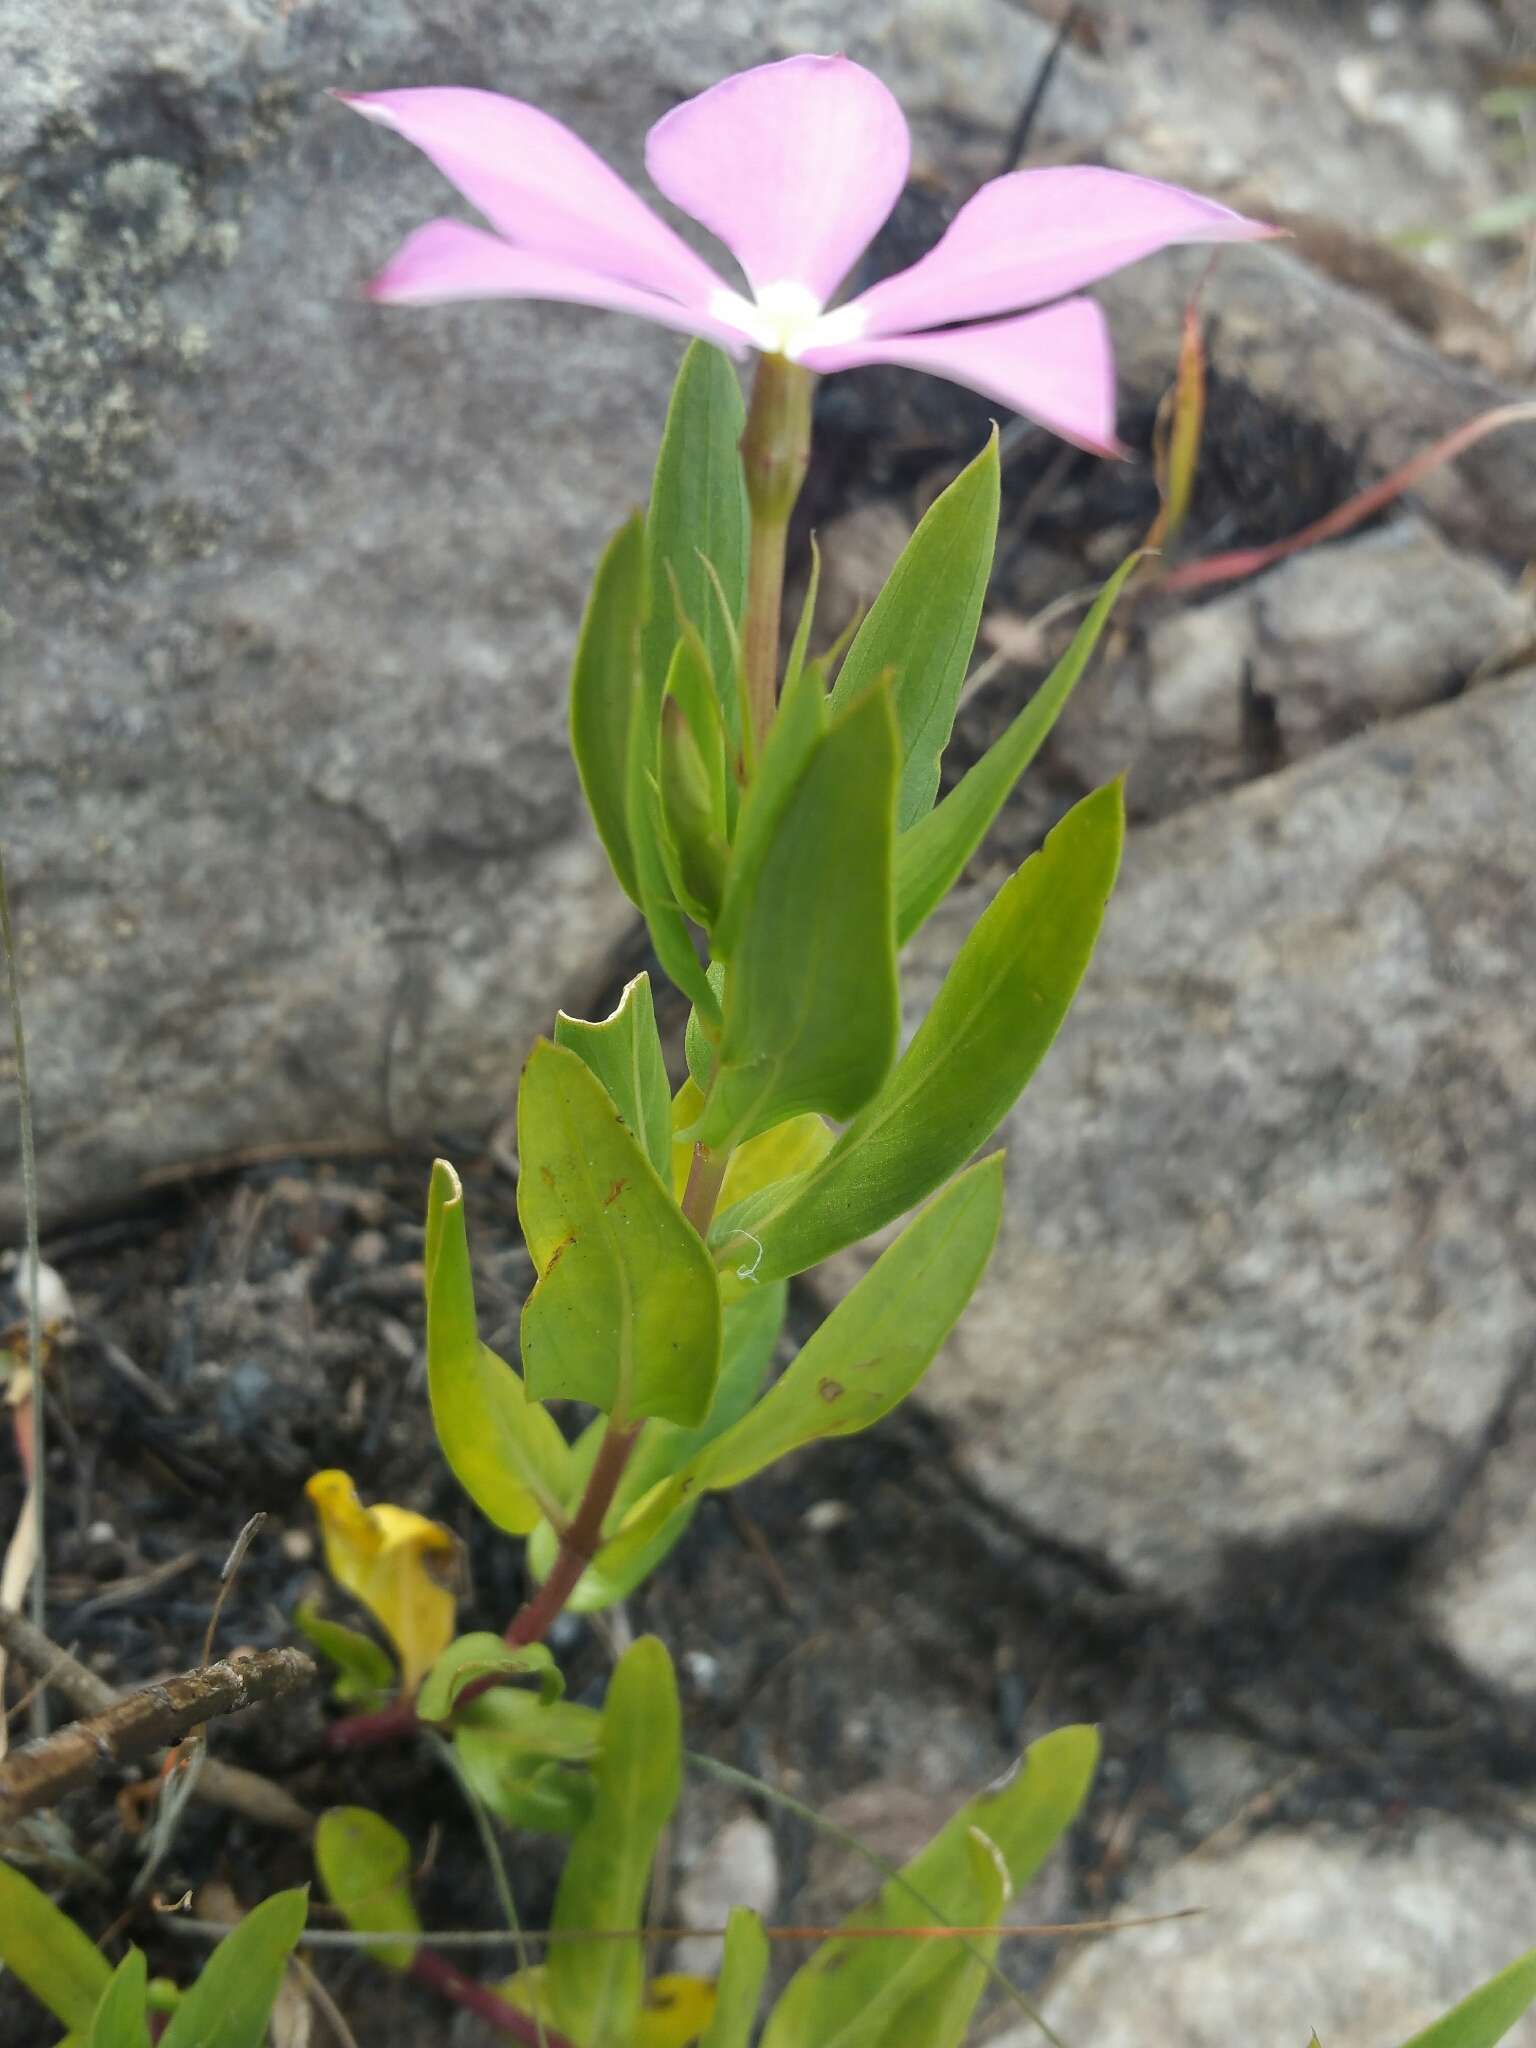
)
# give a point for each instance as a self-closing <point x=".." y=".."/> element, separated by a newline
<point x="626" y="1310"/>
<point x="227" y="2007"/>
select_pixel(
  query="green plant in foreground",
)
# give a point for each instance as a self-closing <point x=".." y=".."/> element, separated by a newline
<point x="776" y="825"/>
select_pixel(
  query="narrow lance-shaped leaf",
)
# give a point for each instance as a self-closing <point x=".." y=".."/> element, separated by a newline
<point x="1488" y="2014"/>
<point x="698" y="513"/>
<point x="937" y="2013"/>
<point x="991" y="1024"/>
<point x="812" y="1010"/>
<point x="49" y="1953"/>
<point x="863" y="1360"/>
<point x="693" y="777"/>
<point x="232" y="2000"/>
<point x="365" y="1865"/>
<point x="604" y="693"/>
<point x="922" y="626"/>
<point x="595" y="1987"/>
<point x="122" y="2018"/>
<point x="504" y="1448"/>
<point x="740" y="1986"/>
<point x="626" y="1311"/>
<point x="1024" y="1818"/>
<point x="624" y="1052"/>
<point x="931" y="857"/>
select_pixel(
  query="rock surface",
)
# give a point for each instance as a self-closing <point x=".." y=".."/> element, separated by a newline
<point x="1479" y="1582"/>
<point x="292" y="583"/>
<point x="1261" y="1285"/>
<point x="1327" y="645"/>
<point x="1363" y="1942"/>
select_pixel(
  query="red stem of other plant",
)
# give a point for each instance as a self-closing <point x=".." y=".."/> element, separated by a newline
<point x="429" y="1967"/>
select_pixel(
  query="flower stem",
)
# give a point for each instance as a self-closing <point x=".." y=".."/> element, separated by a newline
<point x="775" y="449"/>
<point x="428" y="1967"/>
<point x="578" y="1543"/>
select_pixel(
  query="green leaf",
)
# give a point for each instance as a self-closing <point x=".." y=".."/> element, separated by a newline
<point x="626" y="1311"/>
<point x="801" y="641"/>
<point x="931" y="857"/>
<point x="991" y="1024"/>
<point x="481" y="1655"/>
<point x="515" y="1749"/>
<point x="624" y="1052"/>
<point x="1488" y="2014"/>
<point x="595" y="1988"/>
<point x="692" y="780"/>
<point x="880" y="1339"/>
<point x="922" y="626"/>
<point x="48" y="1952"/>
<point x="229" y="2005"/>
<point x="604" y="687"/>
<point x="740" y="1986"/>
<point x="506" y="1451"/>
<point x="367" y="1671"/>
<point x="365" y="1865"/>
<point x="702" y="1034"/>
<point x="752" y="1327"/>
<point x="827" y="1999"/>
<point x="698" y="514"/>
<point x="122" y="2018"/>
<point x="812" y="1009"/>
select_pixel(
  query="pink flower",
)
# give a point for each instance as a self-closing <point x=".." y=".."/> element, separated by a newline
<point x="794" y="167"/>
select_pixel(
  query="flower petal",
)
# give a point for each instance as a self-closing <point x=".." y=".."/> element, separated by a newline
<point x="448" y="259"/>
<point x="1056" y="366"/>
<point x="541" y="186"/>
<point x="1034" y="235"/>
<point x="384" y="1556"/>
<point x="794" y="166"/>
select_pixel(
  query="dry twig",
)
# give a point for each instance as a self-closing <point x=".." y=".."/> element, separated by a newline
<point x="220" y="1784"/>
<point x="141" y="1722"/>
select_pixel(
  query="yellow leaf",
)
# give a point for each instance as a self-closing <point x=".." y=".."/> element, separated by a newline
<point x="793" y="1147"/>
<point x="677" y="2010"/>
<point x="394" y="1561"/>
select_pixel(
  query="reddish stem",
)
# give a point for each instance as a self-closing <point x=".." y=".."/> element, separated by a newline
<point x="429" y="1967"/>
<point x="578" y="1545"/>
<point x="364" y="1731"/>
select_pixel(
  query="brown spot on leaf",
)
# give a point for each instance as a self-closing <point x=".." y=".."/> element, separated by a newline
<point x="547" y="1176"/>
<point x="614" y="1193"/>
<point x="830" y="1390"/>
<point x="559" y="1252"/>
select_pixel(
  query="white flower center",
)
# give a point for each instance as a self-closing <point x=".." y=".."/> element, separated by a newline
<point x="786" y="319"/>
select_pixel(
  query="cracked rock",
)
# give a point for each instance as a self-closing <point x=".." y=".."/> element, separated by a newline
<point x="1260" y="1281"/>
<point x="1362" y="1941"/>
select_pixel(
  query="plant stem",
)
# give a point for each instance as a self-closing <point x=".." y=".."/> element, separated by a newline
<point x="366" y="1731"/>
<point x="706" y="1177"/>
<point x="578" y="1543"/>
<point x="775" y="449"/>
<point x="428" y="1967"/>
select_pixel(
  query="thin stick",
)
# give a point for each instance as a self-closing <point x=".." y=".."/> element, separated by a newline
<point x="150" y="1719"/>
<point x="34" y="1282"/>
<point x="218" y="1784"/>
<point x="1045" y="1930"/>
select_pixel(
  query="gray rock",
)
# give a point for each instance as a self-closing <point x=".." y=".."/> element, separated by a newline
<point x="1332" y="642"/>
<point x="1479" y="1581"/>
<point x="1365" y="1941"/>
<point x="1261" y="1279"/>
<point x="296" y="850"/>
